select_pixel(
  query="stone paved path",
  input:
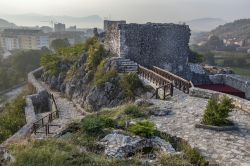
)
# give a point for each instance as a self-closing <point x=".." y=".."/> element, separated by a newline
<point x="68" y="113"/>
<point x="230" y="148"/>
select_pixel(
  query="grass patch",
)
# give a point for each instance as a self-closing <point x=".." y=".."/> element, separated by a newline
<point x="174" y="160"/>
<point x="190" y="156"/>
<point x="58" y="153"/>
<point x="12" y="117"/>
<point x="102" y="76"/>
<point x="94" y="124"/>
<point x="242" y="71"/>
<point x="144" y="128"/>
<point x="130" y="83"/>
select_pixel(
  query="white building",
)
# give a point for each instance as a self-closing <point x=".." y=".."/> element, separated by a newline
<point x="43" y="41"/>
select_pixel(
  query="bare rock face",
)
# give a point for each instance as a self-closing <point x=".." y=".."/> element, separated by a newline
<point x="119" y="145"/>
<point x="107" y="95"/>
<point x="78" y="85"/>
<point x="5" y="156"/>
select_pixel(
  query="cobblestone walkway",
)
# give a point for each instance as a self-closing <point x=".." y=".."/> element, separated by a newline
<point x="68" y="113"/>
<point x="231" y="148"/>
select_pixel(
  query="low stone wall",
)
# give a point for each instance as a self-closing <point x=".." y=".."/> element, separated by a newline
<point x="204" y="93"/>
<point x="36" y="103"/>
<point x="233" y="80"/>
<point x="41" y="102"/>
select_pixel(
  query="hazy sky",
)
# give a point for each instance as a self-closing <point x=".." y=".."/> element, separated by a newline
<point x="132" y="10"/>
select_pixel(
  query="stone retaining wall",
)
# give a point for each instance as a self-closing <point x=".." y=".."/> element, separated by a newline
<point x="233" y="80"/>
<point x="204" y="93"/>
<point x="40" y="101"/>
<point x="35" y="103"/>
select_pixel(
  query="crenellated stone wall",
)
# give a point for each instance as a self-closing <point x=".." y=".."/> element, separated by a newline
<point x="162" y="45"/>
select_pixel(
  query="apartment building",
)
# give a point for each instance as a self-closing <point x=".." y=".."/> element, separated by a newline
<point x="12" y="39"/>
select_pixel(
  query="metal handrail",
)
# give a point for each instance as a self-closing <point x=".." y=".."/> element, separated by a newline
<point x="51" y="116"/>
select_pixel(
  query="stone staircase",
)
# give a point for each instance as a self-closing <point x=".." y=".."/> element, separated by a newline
<point x="126" y="65"/>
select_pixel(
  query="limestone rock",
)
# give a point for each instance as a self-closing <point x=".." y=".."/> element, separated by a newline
<point x="107" y="95"/>
<point x="143" y="102"/>
<point x="5" y="156"/>
<point x="159" y="111"/>
<point x="120" y="145"/>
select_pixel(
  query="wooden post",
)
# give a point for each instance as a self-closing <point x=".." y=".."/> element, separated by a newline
<point x="171" y="90"/>
<point x="34" y="128"/>
<point x="164" y="92"/>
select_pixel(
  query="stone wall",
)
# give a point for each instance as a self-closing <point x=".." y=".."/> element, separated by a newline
<point x="108" y="23"/>
<point x="162" y="45"/>
<point x="36" y="103"/>
<point x="40" y="101"/>
<point x="233" y="80"/>
<point x="204" y="93"/>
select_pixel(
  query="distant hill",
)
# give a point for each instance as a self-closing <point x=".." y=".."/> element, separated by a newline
<point x="237" y="29"/>
<point x="6" y="24"/>
<point x="205" y="24"/>
<point x="43" y="20"/>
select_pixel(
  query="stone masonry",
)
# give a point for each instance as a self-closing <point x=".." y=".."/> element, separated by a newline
<point x="233" y="80"/>
<point x="162" y="45"/>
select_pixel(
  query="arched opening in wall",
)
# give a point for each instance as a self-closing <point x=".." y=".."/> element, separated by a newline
<point x="224" y="89"/>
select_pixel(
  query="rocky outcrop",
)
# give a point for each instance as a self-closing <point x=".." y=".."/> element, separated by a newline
<point x="120" y="145"/>
<point x="77" y="85"/>
<point x="5" y="156"/>
<point x="108" y="95"/>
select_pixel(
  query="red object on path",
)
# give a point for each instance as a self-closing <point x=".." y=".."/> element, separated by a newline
<point x="223" y="88"/>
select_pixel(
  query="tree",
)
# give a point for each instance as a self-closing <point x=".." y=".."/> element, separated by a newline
<point x="196" y="57"/>
<point x="59" y="43"/>
<point x="214" y="43"/>
<point x="209" y="58"/>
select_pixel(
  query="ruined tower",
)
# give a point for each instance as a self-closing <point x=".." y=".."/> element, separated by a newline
<point x="162" y="45"/>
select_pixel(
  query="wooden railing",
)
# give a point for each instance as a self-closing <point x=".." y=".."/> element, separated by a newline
<point x="177" y="81"/>
<point x="157" y="79"/>
<point x="45" y="122"/>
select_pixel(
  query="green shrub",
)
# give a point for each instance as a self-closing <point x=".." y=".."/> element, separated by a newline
<point x="12" y="118"/>
<point x="193" y="155"/>
<point x="51" y="62"/>
<point x="102" y="76"/>
<point x="94" y="124"/>
<point x="217" y="113"/>
<point x="96" y="53"/>
<point x="134" y="111"/>
<point x="145" y="129"/>
<point x="130" y="83"/>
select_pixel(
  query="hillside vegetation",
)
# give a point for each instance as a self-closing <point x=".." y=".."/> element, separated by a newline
<point x="14" y="69"/>
<point x="238" y="29"/>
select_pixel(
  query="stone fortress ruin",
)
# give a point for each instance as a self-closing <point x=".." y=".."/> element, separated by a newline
<point x="162" y="45"/>
<point x="167" y="46"/>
